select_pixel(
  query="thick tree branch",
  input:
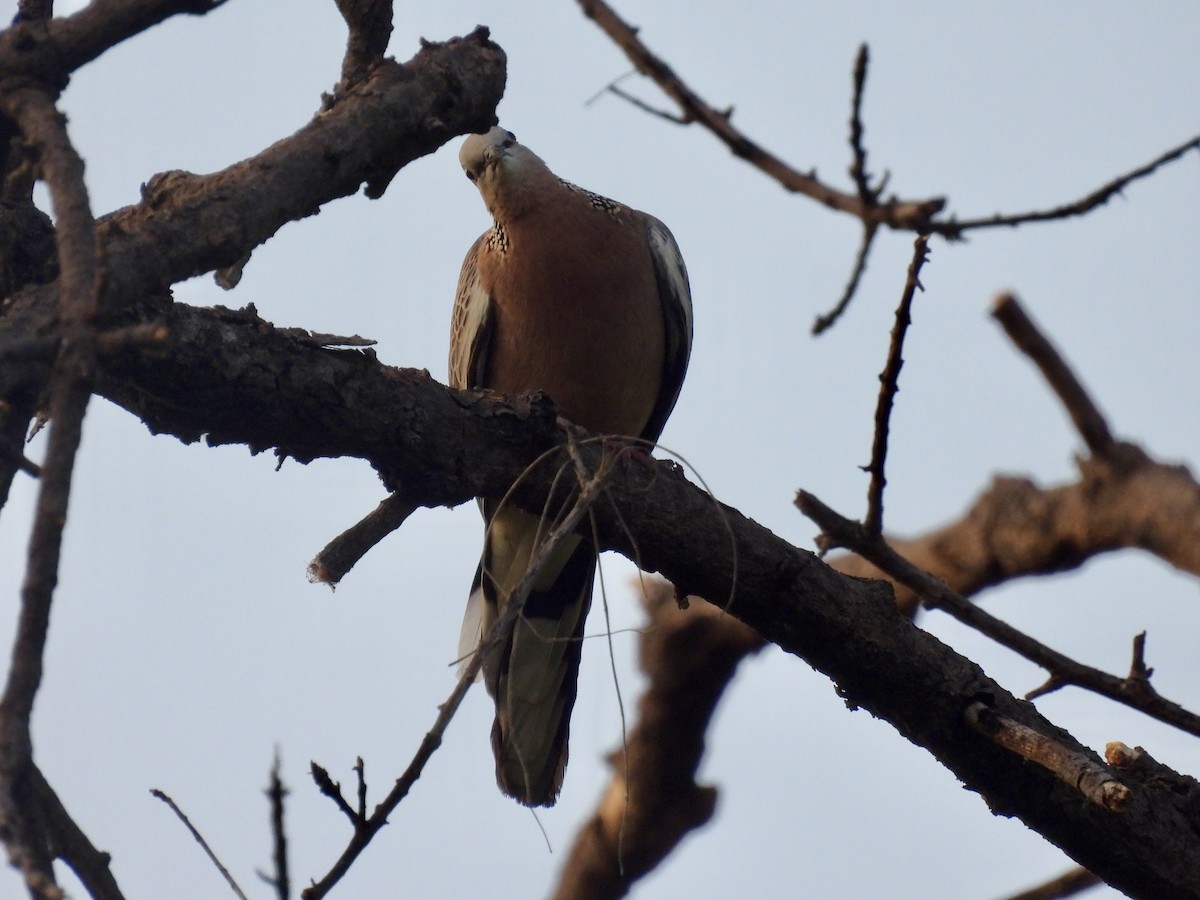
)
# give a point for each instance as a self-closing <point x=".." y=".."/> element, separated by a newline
<point x="447" y="446"/>
<point x="191" y="224"/>
<point x="49" y="51"/>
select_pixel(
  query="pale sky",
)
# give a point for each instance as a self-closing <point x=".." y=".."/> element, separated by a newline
<point x="187" y="645"/>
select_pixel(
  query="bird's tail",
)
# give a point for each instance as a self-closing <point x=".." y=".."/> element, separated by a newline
<point x="534" y="671"/>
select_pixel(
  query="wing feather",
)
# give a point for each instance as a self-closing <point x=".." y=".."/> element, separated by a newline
<point x="675" y="294"/>
<point x="471" y="324"/>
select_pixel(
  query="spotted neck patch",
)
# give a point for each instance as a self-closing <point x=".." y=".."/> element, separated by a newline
<point x="497" y="239"/>
<point x="612" y="207"/>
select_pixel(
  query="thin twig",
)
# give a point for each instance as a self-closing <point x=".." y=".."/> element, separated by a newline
<point x="1068" y="884"/>
<point x="858" y="168"/>
<point x="333" y="790"/>
<point x="889" y="385"/>
<point x="200" y="840"/>
<point x="826" y="320"/>
<point x="1082" y="206"/>
<point x="1084" y="774"/>
<point x="907" y="215"/>
<point x="1138" y="670"/>
<point x="588" y="492"/>
<point x="647" y="108"/>
<point x="276" y="793"/>
<point x="1084" y="413"/>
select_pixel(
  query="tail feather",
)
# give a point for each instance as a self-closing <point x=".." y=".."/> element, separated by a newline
<point x="533" y="672"/>
<point x="536" y="685"/>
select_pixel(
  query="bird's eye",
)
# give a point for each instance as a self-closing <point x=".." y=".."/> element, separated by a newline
<point x="510" y="140"/>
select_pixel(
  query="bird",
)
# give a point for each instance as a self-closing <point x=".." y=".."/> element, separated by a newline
<point x="588" y="301"/>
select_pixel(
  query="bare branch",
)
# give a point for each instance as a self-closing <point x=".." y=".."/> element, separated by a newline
<point x="1092" y="780"/>
<point x="342" y="553"/>
<point x="199" y="838"/>
<point x="72" y="846"/>
<point x="827" y="320"/>
<point x="276" y="793"/>
<point x="35" y="9"/>
<point x="1084" y="205"/>
<point x="889" y="385"/>
<point x="842" y="532"/>
<point x="1068" y="884"/>
<point x="858" y="168"/>
<point x="1088" y="419"/>
<point x="653" y="800"/>
<point x="43" y="128"/>
<point x="909" y="215"/>
<point x="49" y="51"/>
<point x="370" y="23"/>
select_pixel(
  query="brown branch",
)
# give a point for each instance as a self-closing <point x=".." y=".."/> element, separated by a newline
<point x="199" y="838"/>
<point x="889" y="385"/>
<point x="1093" y="781"/>
<point x="370" y="23"/>
<point x="653" y="801"/>
<point x="1068" y="884"/>
<point x="90" y="865"/>
<point x="48" y="52"/>
<point x="277" y="793"/>
<point x="342" y="553"/>
<point x="35" y="9"/>
<point x="447" y="447"/>
<point x="446" y="89"/>
<point x="43" y="128"/>
<point x="827" y="320"/>
<point x="1082" y="206"/>
<point x="907" y="215"/>
<point x="1084" y="413"/>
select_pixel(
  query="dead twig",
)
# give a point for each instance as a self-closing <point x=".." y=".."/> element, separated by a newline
<point x="341" y="554"/>
<point x="1068" y="884"/>
<point x="366" y="829"/>
<point x="889" y="386"/>
<point x="1084" y="413"/>
<point x="1087" y="776"/>
<point x="201" y="841"/>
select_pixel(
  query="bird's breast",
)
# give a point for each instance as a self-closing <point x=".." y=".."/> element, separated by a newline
<point x="577" y="315"/>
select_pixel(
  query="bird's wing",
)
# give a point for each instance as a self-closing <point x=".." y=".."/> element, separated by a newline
<point x="471" y="324"/>
<point x="675" y="295"/>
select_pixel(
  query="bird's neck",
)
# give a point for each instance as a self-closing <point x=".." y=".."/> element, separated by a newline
<point x="519" y="190"/>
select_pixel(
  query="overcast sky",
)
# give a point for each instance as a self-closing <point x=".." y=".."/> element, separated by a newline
<point x="188" y="647"/>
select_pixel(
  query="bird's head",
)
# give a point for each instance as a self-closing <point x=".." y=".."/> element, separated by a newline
<point x="504" y="171"/>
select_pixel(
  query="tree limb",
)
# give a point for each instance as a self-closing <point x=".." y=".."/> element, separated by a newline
<point x="449" y="446"/>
